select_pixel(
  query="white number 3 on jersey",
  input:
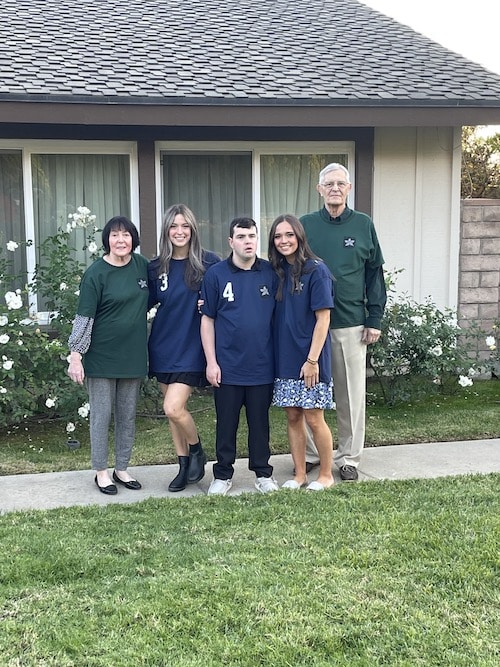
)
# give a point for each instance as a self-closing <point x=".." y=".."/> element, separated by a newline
<point x="228" y="292"/>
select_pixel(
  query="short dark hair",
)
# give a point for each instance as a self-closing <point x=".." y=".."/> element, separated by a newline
<point x="120" y="222"/>
<point x="245" y="223"/>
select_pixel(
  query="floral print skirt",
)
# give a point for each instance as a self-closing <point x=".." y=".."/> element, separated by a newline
<point x="294" y="394"/>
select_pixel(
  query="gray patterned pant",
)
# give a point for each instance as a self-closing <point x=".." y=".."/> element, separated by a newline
<point x="108" y="397"/>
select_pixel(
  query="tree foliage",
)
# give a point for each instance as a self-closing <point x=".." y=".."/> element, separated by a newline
<point x="480" y="165"/>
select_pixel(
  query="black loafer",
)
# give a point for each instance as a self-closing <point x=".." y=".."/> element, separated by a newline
<point x="109" y="490"/>
<point x="348" y="474"/>
<point x="132" y="484"/>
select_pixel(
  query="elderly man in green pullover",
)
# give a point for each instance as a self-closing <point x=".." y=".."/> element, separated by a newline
<point x="347" y="242"/>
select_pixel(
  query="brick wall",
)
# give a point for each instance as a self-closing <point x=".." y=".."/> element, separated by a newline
<point x="479" y="284"/>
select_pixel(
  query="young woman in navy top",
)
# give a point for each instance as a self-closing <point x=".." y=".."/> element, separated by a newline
<point x="176" y="356"/>
<point x="303" y="384"/>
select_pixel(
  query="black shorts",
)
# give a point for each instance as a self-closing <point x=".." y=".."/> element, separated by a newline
<point x="192" y="379"/>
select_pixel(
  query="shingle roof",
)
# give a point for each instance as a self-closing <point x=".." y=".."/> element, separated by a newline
<point x="338" y="52"/>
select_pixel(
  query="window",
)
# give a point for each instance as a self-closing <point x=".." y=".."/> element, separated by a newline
<point x="221" y="183"/>
<point x="12" y="205"/>
<point x="217" y="187"/>
<point x="43" y="182"/>
<point x="61" y="183"/>
<point x="288" y="185"/>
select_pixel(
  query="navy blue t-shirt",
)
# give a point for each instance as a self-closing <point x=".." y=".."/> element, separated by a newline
<point x="295" y="320"/>
<point x="175" y="342"/>
<point x="241" y="303"/>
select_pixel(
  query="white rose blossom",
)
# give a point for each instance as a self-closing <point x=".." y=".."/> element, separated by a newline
<point x="70" y="427"/>
<point x="4" y="320"/>
<point x="83" y="411"/>
<point x="464" y="381"/>
<point x="417" y="320"/>
<point x="4" y="338"/>
<point x="436" y="351"/>
<point x="63" y="287"/>
<point x="12" y="246"/>
<point x="82" y="217"/>
<point x="491" y="343"/>
<point x="7" y="364"/>
<point x="3" y="390"/>
<point x="50" y="402"/>
<point x="92" y="247"/>
<point x="13" y="300"/>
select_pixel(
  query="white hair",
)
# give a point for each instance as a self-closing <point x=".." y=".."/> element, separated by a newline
<point x="332" y="167"/>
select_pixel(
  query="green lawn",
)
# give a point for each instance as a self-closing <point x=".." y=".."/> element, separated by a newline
<point x="379" y="573"/>
<point x="469" y="415"/>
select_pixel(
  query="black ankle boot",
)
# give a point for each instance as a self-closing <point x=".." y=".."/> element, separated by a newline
<point x="179" y="482"/>
<point x="197" y="460"/>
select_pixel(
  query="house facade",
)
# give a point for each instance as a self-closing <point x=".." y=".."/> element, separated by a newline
<point x="233" y="108"/>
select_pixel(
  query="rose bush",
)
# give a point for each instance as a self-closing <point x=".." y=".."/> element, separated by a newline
<point x="493" y="344"/>
<point x="422" y="349"/>
<point x="33" y="368"/>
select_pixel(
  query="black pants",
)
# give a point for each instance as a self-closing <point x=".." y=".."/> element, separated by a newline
<point x="229" y="399"/>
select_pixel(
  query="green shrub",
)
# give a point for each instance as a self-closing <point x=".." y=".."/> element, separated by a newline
<point x="33" y="369"/>
<point x="493" y="344"/>
<point x="422" y="350"/>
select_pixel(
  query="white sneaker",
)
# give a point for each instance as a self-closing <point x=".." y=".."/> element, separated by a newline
<point x="219" y="487"/>
<point x="266" y="484"/>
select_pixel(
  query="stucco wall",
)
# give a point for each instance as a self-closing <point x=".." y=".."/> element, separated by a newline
<point x="479" y="283"/>
<point x="416" y="209"/>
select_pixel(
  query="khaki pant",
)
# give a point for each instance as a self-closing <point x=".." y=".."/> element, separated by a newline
<point x="349" y="380"/>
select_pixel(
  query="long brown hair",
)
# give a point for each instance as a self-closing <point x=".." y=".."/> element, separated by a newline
<point x="194" y="266"/>
<point x="302" y="254"/>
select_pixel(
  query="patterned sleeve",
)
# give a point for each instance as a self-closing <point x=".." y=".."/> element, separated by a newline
<point x="81" y="334"/>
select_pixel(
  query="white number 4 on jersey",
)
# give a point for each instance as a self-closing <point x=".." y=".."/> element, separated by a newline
<point x="228" y="292"/>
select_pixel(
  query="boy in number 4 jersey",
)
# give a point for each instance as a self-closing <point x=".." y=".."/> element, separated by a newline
<point x="238" y="297"/>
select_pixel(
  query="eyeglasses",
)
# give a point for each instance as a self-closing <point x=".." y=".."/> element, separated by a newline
<point x="334" y="184"/>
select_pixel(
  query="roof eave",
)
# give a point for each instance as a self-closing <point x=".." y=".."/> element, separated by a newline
<point x="249" y="112"/>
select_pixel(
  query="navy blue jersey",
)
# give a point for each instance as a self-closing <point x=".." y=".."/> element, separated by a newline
<point x="295" y="320"/>
<point x="175" y="342"/>
<point x="241" y="303"/>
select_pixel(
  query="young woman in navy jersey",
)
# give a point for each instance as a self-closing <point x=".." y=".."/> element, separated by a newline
<point x="176" y="357"/>
<point x="303" y="384"/>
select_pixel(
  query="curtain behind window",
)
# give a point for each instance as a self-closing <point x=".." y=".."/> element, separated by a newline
<point x="217" y="188"/>
<point x="61" y="183"/>
<point x="288" y="185"/>
<point x="12" y="209"/>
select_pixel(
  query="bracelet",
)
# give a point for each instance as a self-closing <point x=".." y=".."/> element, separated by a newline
<point x="311" y="361"/>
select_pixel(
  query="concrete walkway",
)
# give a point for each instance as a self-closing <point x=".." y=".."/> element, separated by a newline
<point x="424" y="460"/>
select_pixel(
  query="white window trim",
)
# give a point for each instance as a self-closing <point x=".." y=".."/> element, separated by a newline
<point x="256" y="150"/>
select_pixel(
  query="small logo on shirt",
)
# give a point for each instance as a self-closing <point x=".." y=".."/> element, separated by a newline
<point x="143" y="284"/>
<point x="349" y="242"/>
<point x="264" y="291"/>
<point x="299" y="287"/>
